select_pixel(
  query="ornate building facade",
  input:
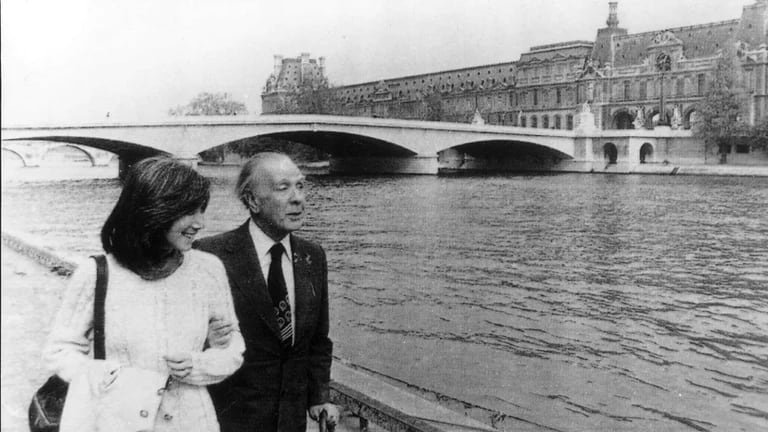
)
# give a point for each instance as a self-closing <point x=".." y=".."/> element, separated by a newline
<point x="289" y="75"/>
<point x="623" y="78"/>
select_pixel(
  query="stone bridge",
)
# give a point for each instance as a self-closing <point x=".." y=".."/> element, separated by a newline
<point x="35" y="155"/>
<point x="356" y="144"/>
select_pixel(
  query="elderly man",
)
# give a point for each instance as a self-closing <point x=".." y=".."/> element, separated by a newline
<point x="279" y="284"/>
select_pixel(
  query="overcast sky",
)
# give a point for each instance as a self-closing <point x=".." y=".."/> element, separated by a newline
<point x="75" y="60"/>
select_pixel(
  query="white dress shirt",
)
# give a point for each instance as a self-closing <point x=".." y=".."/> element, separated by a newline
<point x="263" y="244"/>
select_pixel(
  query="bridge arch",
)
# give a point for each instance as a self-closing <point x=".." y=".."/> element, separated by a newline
<point x="342" y="144"/>
<point x="15" y="155"/>
<point x="80" y="149"/>
<point x="509" y="149"/>
<point x="123" y="149"/>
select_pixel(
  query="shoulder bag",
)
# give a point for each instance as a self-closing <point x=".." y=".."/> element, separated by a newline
<point x="48" y="402"/>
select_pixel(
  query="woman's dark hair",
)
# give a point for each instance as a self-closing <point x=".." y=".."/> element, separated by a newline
<point x="157" y="191"/>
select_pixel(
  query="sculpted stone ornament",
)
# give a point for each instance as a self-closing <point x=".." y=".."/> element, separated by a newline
<point x="665" y="37"/>
<point x="677" y="118"/>
<point x="477" y="119"/>
<point x="271" y="84"/>
<point x="639" y="118"/>
<point x="585" y="108"/>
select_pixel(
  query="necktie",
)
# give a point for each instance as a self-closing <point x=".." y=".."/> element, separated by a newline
<point x="279" y="294"/>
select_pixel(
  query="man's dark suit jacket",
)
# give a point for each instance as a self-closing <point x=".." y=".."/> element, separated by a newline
<point x="275" y="386"/>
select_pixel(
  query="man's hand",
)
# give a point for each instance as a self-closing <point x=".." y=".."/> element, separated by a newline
<point x="179" y="364"/>
<point x="102" y="374"/>
<point x="219" y="333"/>
<point x="331" y="410"/>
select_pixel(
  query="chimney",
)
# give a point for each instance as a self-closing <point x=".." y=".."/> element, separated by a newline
<point x="613" y="17"/>
<point x="278" y="65"/>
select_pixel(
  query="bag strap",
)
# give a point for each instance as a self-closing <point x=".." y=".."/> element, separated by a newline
<point x="102" y="276"/>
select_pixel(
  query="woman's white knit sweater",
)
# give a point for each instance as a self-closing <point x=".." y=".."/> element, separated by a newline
<point x="146" y="320"/>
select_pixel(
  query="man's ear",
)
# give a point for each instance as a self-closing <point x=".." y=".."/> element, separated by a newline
<point x="252" y="203"/>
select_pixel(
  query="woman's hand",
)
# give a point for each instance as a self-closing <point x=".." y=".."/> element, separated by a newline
<point x="179" y="364"/>
<point x="219" y="333"/>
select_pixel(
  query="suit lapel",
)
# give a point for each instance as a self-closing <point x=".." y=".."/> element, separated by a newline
<point x="304" y="291"/>
<point x="249" y="280"/>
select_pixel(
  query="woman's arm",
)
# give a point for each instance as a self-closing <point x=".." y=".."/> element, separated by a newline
<point x="216" y="363"/>
<point x="67" y="351"/>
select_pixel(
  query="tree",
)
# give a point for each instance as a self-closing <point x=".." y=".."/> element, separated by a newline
<point x="433" y="105"/>
<point x="758" y="137"/>
<point x="720" y="120"/>
<point x="205" y="104"/>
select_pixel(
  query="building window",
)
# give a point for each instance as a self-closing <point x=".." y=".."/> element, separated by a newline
<point x="578" y="94"/>
<point x="535" y="97"/>
<point x="534" y="122"/>
<point x="742" y="148"/>
<point x="557" y="122"/>
<point x="680" y="87"/>
<point x="643" y="90"/>
<point x="626" y="90"/>
<point x="545" y="122"/>
<point x="701" y="81"/>
<point x="559" y="97"/>
<point x="569" y="122"/>
<point x="523" y="121"/>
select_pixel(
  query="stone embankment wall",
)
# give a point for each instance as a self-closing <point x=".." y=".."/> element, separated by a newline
<point x="30" y="248"/>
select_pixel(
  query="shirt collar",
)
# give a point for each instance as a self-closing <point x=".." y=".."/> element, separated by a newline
<point x="263" y="243"/>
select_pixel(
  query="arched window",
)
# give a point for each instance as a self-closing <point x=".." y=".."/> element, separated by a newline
<point x="534" y="122"/>
<point x="646" y="153"/>
<point x="545" y="121"/>
<point x="523" y="122"/>
<point x="569" y="122"/>
<point x="557" y="122"/>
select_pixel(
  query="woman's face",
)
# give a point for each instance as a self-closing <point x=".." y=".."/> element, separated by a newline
<point x="183" y="231"/>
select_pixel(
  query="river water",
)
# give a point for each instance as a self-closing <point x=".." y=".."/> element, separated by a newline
<point x="558" y="302"/>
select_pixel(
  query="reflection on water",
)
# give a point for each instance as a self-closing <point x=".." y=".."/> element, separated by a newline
<point x="565" y="302"/>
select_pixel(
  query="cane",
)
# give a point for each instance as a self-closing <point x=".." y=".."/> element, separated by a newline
<point x="324" y="425"/>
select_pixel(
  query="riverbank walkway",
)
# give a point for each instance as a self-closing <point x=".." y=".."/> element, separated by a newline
<point x="32" y="287"/>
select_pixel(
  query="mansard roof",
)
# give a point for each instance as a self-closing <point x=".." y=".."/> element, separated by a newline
<point x="558" y="51"/>
<point x="697" y="41"/>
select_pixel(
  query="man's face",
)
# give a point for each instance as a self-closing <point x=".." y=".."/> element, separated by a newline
<point x="277" y="201"/>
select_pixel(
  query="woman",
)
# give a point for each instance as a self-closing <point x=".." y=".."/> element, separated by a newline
<point x="170" y="326"/>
